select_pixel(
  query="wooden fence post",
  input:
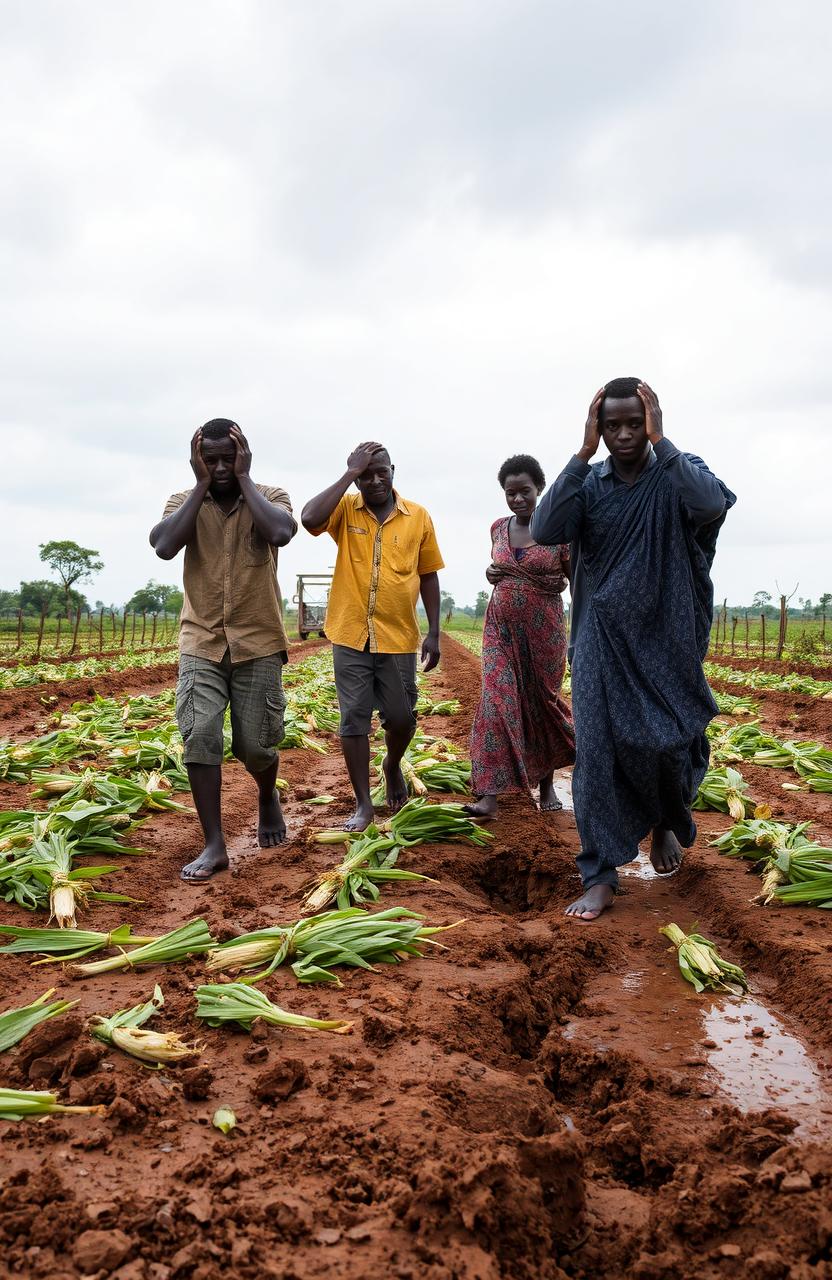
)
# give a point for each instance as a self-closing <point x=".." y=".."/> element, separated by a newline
<point x="40" y="632"/>
<point x="144" y="624"/>
<point x="123" y="627"/>
<point x="19" y="629"/>
<point x="153" y="631"/>
<point x="74" y="644"/>
<point x="89" y="630"/>
<point x="781" y="638"/>
<point x="133" y="630"/>
<point x="101" y="628"/>
<point x="734" y="622"/>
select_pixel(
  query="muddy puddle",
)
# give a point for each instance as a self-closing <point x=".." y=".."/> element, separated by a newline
<point x="741" y="1051"/>
<point x="563" y="787"/>
<point x="759" y="1063"/>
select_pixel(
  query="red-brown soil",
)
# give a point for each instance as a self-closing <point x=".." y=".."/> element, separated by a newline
<point x="820" y="671"/>
<point x="544" y="1099"/>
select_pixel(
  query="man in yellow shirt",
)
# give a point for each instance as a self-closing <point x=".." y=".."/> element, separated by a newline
<point x="387" y="557"/>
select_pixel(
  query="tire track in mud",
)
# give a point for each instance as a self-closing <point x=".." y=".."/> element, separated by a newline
<point x="536" y="1101"/>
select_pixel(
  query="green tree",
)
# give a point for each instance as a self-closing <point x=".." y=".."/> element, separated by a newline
<point x="481" y="605"/>
<point x="156" y="597"/>
<point x="824" y="605"/>
<point x="761" y="600"/>
<point x="40" y="596"/>
<point x="170" y="598"/>
<point x="72" y="564"/>
<point x="9" y="601"/>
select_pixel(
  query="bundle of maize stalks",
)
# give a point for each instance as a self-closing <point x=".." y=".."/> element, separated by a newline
<point x="295" y="735"/>
<point x="352" y="937"/>
<point x="420" y="822"/>
<point x="125" y="1030"/>
<point x="724" y="789"/>
<point x="190" y="939"/>
<point x="92" y="827"/>
<point x="370" y="861"/>
<point x="129" y="794"/>
<point x="738" y="741"/>
<point x="242" y="1004"/>
<point x="17" y="1023"/>
<point x="756" y="838"/>
<point x="48" y="863"/>
<point x="733" y="705"/>
<point x="756" y="679"/>
<point x="799" y="875"/>
<point x="65" y="944"/>
<point x="16" y="1104"/>
<point x="701" y="964"/>
<point x="429" y="764"/>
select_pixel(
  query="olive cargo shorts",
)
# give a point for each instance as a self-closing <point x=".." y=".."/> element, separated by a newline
<point x="255" y="691"/>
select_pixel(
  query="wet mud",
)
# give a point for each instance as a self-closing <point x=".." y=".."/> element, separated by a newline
<point x="544" y="1099"/>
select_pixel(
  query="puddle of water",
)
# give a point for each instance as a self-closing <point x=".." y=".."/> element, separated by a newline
<point x="642" y="868"/>
<point x="771" y="1069"/>
<point x="563" y="788"/>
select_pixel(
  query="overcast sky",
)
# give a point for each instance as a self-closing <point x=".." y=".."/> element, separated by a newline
<point x="438" y="223"/>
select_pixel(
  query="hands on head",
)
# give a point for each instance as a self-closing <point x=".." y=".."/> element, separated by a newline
<point x="362" y="455"/>
<point x="594" y="427"/>
<point x="652" y="412"/>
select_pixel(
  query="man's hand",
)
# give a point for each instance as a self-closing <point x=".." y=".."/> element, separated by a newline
<point x="242" y="462"/>
<point x="494" y="574"/>
<point x="360" y="458"/>
<point x="652" y="412"/>
<point x="592" y="430"/>
<point x="430" y="650"/>
<point x="198" y="464"/>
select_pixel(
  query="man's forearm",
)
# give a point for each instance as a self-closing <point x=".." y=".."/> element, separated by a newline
<point x="429" y="591"/>
<point x="275" y="523"/>
<point x="170" y="535"/>
<point x="317" y="511"/>
<point x="560" y="510"/>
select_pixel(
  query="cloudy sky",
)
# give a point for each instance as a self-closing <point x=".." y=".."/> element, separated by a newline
<point x="439" y="223"/>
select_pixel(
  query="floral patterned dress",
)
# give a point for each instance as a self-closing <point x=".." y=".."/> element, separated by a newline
<point x="523" y="728"/>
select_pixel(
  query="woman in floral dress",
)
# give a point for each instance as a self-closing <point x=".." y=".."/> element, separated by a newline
<point x="523" y="729"/>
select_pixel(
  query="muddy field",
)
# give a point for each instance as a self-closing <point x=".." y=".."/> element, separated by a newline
<point x="546" y="1098"/>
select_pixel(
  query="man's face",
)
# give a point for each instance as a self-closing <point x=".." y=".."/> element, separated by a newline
<point x="219" y="457"/>
<point x="624" y="429"/>
<point x="376" y="481"/>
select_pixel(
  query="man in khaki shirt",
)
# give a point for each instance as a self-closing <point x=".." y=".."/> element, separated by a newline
<point x="232" y="642"/>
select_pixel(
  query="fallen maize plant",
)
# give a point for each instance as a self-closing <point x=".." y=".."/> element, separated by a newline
<point x="55" y="945"/>
<point x="724" y="789"/>
<point x="317" y="945"/>
<point x="701" y="964"/>
<point x="191" y="939"/>
<point x="15" y="1024"/>
<point x="17" y="1104"/>
<point x="125" y="1030"/>
<point x="243" y="1005"/>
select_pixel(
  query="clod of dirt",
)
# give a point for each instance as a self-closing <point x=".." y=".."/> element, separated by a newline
<point x="279" y="1082"/>
<point x="381" y="1029"/>
<point x="196" y="1082"/>
<point x="85" y="1057"/>
<point x="100" y="1250"/>
<point x="290" y="1215"/>
<point x="48" y="1039"/>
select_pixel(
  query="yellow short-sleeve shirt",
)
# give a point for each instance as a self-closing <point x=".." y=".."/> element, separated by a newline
<point x="375" y="586"/>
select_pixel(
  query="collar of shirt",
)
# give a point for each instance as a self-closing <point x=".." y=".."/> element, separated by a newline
<point x="607" y="468"/>
<point x="238" y="502"/>
<point x="400" y="505"/>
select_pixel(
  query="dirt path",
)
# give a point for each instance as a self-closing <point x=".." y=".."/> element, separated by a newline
<point x="544" y="1099"/>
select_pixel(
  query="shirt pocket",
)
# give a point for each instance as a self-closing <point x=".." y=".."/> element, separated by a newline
<point x="256" y="550"/>
<point x="399" y="557"/>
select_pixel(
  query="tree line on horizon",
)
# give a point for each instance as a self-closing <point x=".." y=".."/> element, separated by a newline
<point x="72" y="566"/>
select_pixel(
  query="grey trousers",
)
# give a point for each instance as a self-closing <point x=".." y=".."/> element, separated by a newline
<point x="364" y="681"/>
<point x="255" y="691"/>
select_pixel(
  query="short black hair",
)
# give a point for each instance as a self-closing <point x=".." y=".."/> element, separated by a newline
<point x="520" y="463"/>
<point x="622" y="388"/>
<point x="217" y="429"/>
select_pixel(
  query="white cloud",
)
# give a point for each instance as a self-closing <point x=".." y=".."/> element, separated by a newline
<point x="444" y="225"/>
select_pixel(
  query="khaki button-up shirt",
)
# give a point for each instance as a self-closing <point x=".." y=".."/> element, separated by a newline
<point x="232" y="597"/>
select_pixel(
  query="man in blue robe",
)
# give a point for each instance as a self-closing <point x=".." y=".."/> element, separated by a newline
<point x="643" y="525"/>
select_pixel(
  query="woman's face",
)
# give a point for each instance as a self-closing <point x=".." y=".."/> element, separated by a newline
<point x="521" y="495"/>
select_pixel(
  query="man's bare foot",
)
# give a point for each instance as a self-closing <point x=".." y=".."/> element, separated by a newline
<point x="485" y="807"/>
<point x="592" y="902"/>
<point x="271" y="826"/>
<point x="549" y="802"/>
<point x="212" y="859"/>
<point x="665" y="852"/>
<point x="361" y="819"/>
<point x="395" y="787"/>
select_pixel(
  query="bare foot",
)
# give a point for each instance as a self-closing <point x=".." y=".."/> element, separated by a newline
<point x="591" y="903"/>
<point x="361" y="819"/>
<point x="549" y="802"/>
<point x="212" y="859"/>
<point x="396" y="787"/>
<point x="271" y="827"/>
<point x="665" y="852"/>
<point x="485" y="807"/>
